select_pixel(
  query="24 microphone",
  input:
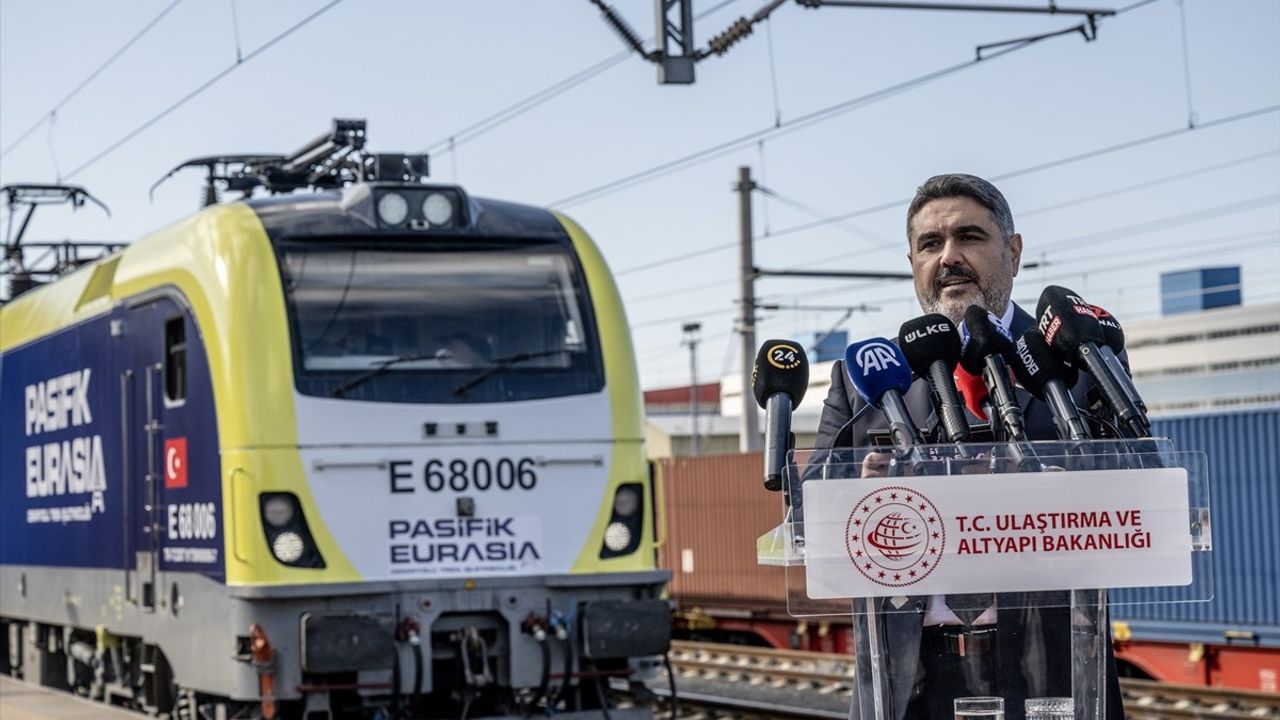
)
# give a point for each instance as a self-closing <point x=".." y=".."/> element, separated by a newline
<point x="779" y="380"/>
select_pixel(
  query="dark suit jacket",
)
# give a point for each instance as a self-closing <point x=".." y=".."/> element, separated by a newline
<point x="902" y="630"/>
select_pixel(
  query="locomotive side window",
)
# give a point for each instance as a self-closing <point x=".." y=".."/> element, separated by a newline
<point x="175" y="359"/>
<point x="446" y="322"/>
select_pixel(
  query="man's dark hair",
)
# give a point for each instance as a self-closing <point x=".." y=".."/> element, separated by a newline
<point x="960" y="185"/>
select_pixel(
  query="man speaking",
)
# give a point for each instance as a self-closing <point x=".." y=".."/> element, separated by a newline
<point x="963" y="251"/>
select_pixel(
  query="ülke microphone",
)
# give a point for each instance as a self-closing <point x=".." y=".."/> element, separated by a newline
<point x="880" y="373"/>
<point x="932" y="346"/>
<point x="779" y="380"/>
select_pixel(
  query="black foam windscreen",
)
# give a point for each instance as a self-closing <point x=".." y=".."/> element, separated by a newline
<point x="1066" y="321"/>
<point x="1111" y="329"/>
<point x="781" y="367"/>
<point x="983" y="336"/>
<point x="1036" y="365"/>
<point x="928" y="339"/>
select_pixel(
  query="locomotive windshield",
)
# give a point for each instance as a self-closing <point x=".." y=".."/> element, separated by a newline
<point x="450" y="322"/>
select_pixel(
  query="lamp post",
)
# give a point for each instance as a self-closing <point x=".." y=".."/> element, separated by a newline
<point x="692" y="336"/>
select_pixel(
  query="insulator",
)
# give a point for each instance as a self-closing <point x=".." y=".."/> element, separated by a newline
<point x="210" y="195"/>
<point x="621" y="27"/>
<point x="725" y="40"/>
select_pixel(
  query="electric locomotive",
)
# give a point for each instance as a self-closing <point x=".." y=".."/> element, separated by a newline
<point x="362" y="445"/>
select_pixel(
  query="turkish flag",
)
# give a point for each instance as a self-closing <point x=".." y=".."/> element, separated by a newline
<point x="175" y="463"/>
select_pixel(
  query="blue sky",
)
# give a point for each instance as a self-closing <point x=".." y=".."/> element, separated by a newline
<point x="421" y="72"/>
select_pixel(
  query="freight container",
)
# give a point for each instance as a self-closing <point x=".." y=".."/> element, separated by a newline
<point x="1233" y="639"/>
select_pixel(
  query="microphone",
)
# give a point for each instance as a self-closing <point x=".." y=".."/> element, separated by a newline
<point x="984" y="346"/>
<point x="1050" y="381"/>
<point x="976" y="396"/>
<point x="932" y="347"/>
<point x="880" y="373"/>
<point x="779" y="380"/>
<point x="1114" y="336"/>
<point x="1071" y="328"/>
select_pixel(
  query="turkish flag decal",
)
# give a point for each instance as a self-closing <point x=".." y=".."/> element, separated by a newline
<point x="175" y="463"/>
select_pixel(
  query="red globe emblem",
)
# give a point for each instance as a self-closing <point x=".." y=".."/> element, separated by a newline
<point x="895" y="536"/>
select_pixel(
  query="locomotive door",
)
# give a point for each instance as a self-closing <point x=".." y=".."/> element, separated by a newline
<point x="140" y="420"/>
<point x="142" y="417"/>
<point x="171" y="453"/>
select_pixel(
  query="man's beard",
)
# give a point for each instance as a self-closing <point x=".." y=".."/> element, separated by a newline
<point x="992" y="294"/>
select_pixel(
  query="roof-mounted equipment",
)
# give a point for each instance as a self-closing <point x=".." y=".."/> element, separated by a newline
<point x="58" y="257"/>
<point x="332" y="160"/>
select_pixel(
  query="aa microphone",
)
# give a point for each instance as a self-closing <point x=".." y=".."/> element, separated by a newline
<point x="932" y="347"/>
<point x="1050" y="381"/>
<point x="779" y="380"/>
<point x="976" y="396"/>
<point x="880" y="373"/>
<point x="1070" y="327"/>
<point x="1114" y="335"/>
<point x="984" y="346"/>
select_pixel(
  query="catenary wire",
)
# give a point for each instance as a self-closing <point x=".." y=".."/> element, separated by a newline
<point x="1067" y="160"/>
<point x="1150" y="226"/>
<point x="520" y="107"/>
<point x="201" y="88"/>
<point x="804" y="121"/>
<point x="902" y="202"/>
<point x="1151" y="183"/>
<point x="48" y="116"/>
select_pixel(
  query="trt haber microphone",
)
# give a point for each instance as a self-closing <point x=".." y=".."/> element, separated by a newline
<point x="1070" y="327"/>
<point x="779" y="380"/>
<point x="984" y="346"/>
<point x="1049" y="380"/>
<point x="1114" y="335"/>
<point x="880" y="373"/>
<point x="932" y="346"/>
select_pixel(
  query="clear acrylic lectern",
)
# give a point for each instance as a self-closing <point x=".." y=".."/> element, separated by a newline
<point x="982" y="569"/>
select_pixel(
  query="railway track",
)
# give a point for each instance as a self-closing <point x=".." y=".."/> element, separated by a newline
<point x="729" y="678"/>
<point x="830" y="674"/>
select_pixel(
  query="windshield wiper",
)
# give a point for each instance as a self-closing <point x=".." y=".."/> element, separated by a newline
<point x="502" y="365"/>
<point x="378" y="369"/>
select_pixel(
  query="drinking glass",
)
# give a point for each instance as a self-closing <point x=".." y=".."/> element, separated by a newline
<point x="979" y="708"/>
<point x="1050" y="708"/>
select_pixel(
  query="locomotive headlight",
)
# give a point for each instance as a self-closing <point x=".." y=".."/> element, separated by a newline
<point x="617" y="536"/>
<point x="393" y="208"/>
<point x="287" y="547"/>
<point x="625" y="530"/>
<point x="277" y="511"/>
<point x="437" y="209"/>
<point x="284" y="527"/>
<point x="627" y="501"/>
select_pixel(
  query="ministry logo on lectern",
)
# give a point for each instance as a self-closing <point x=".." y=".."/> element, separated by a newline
<point x="895" y="536"/>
